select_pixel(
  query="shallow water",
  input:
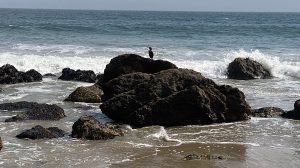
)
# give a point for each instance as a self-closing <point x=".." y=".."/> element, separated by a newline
<point x="259" y="142"/>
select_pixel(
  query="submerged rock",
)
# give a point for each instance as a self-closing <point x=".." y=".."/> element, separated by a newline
<point x="171" y="98"/>
<point x="33" y="111"/>
<point x="87" y="127"/>
<point x="39" y="132"/>
<point x="49" y="75"/>
<point x="293" y="114"/>
<point x="10" y="75"/>
<point x="89" y="94"/>
<point x="203" y="157"/>
<point x="267" y="112"/>
<point x="78" y="75"/>
<point x="191" y="157"/>
<point x="130" y="63"/>
<point x="247" y="69"/>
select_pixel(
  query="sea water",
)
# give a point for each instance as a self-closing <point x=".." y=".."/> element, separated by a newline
<point x="50" y="40"/>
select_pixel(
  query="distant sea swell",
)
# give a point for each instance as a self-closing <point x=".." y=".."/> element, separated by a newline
<point x="50" y="40"/>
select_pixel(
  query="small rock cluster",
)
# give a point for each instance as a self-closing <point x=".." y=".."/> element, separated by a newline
<point x="10" y="75"/>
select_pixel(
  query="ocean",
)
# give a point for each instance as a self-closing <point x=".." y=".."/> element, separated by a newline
<point x="50" y="40"/>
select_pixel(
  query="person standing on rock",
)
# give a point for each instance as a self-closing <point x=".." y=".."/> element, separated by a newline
<point x="150" y="52"/>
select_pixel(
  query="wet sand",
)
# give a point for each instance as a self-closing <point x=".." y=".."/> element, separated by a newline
<point x="214" y="156"/>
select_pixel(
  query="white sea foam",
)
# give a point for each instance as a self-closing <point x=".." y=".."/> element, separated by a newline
<point x="201" y="61"/>
<point x="10" y="97"/>
<point x="163" y="135"/>
<point x="238" y="143"/>
<point x="139" y="145"/>
<point x="53" y="64"/>
<point x="72" y="49"/>
<point x="278" y="68"/>
<point x="224" y="143"/>
<point x="217" y="68"/>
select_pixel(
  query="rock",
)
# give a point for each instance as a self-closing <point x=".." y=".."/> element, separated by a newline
<point x="19" y="117"/>
<point x="1" y="144"/>
<point x="123" y="84"/>
<point x="39" y="132"/>
<point x="32" y="76"/>
<point x="267" y="112"/>
<point x="33" y="111"/>
<point x="191" y="157"/>
<point x="49" y="75"/>
<point x="10" y="75"/>
<point x="87" y="127"/>
<point x="100" y="80"/>
<point x="293" y="114"/>
<point x="130" y="63"/>
<point x="297" y="106"/>
<point x="79" y="75"/>
<point x="247" y="69"/>
<point x="203" y="157"/>
<point x="89" y="94"/>
<point x="172" y="97"/>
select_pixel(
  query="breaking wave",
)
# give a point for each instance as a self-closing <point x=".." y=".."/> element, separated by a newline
<point x="217" y="68"/>
<point x="52" y="59"/>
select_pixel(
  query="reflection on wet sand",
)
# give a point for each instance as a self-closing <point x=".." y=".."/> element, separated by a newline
<point x="210" y="155"/>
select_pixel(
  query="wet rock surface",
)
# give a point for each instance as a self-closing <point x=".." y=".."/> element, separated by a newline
<point x="268" y="112"/>
<point x="33" y="111"/>
<point x="78" y="75"/>
<point x="123" y="84"/>
<point x="247" y="69"/>
<point x="49" y="75"/>
<point x="89" y="94"/>
<point x="295" y="113"/>
<point x="10" y="75"/>
<point x="100" y="80"/>
<point x="1" y="144"/>
<point x="87" y="127"/>
<point x="39" y="132"/>
<point x="203" y="157"/>
<point x="171" y="98"/>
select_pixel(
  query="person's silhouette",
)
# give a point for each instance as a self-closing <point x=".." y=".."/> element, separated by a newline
<point x="150" y="52"/>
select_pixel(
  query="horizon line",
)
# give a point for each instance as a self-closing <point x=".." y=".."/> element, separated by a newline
<point x="141" y="10"/>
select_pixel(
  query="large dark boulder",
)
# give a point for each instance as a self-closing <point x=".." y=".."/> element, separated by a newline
<point x="130" y="63"/>
<point x="78" y="75"/>
<point x="170" y="98"/>
<point x="247" y="69"/>
<point x="89" y="94"/>
<point x="100" y="80"/>
<point x="124" y="83"/>
<point x="293" y="114"/>
<point x="33" y="111"/>
<point x="268" y="112"/>
<point x="10" y="75"/>
<point x="39" y="132"/>
<point x="87" y="127"/>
